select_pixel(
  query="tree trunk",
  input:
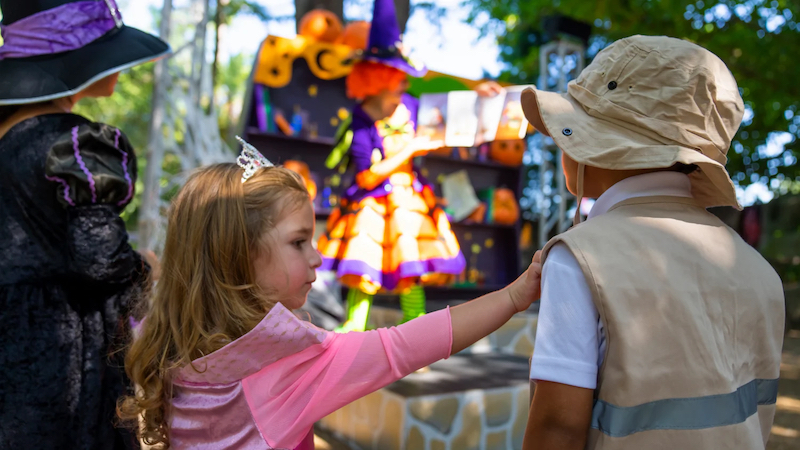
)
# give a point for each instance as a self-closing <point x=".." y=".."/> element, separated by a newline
<point x="149" y="214"/>
<point x="219" y="19"/>
<point x="337" y="7"/>
<point x="403" y="7"/>
<point x="304" y="6"/>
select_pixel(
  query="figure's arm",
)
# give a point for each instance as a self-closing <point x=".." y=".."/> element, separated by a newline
<point x="93" y="168"/>
<point x="371" y="177"/>
<point x="370" y="174"/>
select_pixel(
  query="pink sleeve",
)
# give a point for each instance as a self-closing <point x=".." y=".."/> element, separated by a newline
<point x="290" y="395"/>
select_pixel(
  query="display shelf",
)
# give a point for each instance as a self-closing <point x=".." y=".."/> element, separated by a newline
<point x="473" y="162"/>
<point x="253" y="131"/>
<point x="493" y="226"/>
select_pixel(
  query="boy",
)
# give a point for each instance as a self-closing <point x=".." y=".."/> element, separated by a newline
<point x="659" y="327"/>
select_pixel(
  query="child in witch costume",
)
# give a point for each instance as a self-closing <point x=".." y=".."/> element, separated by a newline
<point x="388" y="233"/>
<point x="67" y="272"/>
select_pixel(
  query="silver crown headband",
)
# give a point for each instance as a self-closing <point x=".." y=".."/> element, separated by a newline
<point x="250" y="159"/>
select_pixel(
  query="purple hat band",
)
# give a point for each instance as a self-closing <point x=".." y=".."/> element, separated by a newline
<point x="60" y="29"/>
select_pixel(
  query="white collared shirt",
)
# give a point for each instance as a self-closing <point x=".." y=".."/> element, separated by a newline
<point x="570" y="340"/>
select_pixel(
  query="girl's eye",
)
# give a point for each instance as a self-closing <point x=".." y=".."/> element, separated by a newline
<point x="299" y="243"/>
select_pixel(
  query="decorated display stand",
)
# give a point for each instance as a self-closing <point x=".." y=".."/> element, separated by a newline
<point x="296" y="103"/>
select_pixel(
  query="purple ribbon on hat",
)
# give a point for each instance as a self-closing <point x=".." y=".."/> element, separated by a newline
<point x="60" y="29"/>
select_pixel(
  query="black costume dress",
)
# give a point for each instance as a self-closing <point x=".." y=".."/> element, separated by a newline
<point x="67" y="277"/>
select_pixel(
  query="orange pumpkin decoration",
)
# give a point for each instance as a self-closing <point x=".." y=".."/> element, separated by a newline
<point x="508" y="152"/>
<point x="504" y="207"/>
<point x="301" y="169"/>
<point x="355" y="35"/>
<point x="479" y="214"/>
<point x="320" y="25"/>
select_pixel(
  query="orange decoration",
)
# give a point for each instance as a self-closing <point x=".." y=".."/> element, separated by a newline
<point x="320" y="25"/>
<point x="355" y="35"/>
<point x="508" y="152"/>
<point x="506" y="210"/>
<point x="301" y="169"/>
<point x="479" y="214"/>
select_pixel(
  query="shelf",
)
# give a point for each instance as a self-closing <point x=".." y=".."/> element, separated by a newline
<point x="475" y="163"/>
<point x="497" y="226"/>
<point x="439" y="297"/>
<point x="253" y="131"/>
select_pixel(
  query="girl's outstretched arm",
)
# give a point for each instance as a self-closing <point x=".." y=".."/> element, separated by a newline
<point x="473" y="320"/>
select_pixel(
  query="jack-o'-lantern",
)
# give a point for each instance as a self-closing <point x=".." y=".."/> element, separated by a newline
<point x="504" y="207"/>
<point x="328" y="61"/>
<point x="355" y="35"/>
<point x="508" y="152"/>
<point x="320" y="25"/>
<point x="275" y="60"/>
<point x="301" y="169"/>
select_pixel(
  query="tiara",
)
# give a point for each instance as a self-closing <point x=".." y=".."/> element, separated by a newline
<point x="250" y="159"/>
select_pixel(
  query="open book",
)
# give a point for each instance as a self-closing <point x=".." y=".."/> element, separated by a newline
<point x="463" y="119"/>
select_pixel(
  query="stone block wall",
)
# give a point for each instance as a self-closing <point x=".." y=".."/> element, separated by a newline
<point x="492" y="419"/>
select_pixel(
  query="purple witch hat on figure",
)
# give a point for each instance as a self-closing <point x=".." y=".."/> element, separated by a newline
<point x="384" y="44"/>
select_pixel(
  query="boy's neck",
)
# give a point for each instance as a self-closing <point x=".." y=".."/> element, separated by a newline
<point x="597" y="181"/>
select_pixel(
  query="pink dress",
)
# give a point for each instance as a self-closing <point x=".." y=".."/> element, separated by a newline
<point x="266" y="389"/>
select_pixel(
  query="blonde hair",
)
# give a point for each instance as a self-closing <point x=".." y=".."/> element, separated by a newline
<point x="206" y="296"/>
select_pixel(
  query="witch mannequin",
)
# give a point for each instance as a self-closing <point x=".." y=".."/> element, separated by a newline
<point x="67" y="273"/>
<point x="388" y="234"/>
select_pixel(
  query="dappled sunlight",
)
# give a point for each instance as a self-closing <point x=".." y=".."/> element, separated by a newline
<point x="788" y="404"/>
<point x="321" y="444"/>
<point x="785" y="432"/>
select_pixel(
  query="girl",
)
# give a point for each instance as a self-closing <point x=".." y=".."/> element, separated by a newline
<point x="220" y="359"/>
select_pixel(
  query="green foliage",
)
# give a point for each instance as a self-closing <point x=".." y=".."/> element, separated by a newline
<point x="755" y="38"/>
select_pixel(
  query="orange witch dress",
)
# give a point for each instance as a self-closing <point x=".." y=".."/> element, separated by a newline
<point x="393" y="236"/>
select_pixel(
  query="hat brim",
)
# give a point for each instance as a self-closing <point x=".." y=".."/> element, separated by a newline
<point x="398" y="63"/>
<point x="47" y="77"/>
<point x="609" y="144"/>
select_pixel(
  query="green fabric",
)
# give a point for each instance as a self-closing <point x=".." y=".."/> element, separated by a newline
<point x="343" y="139"/>
<point x="412" y="303"/>
<point x="358" y="306"/>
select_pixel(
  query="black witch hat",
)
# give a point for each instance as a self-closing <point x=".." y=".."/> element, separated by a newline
<point x="56" y="48"/>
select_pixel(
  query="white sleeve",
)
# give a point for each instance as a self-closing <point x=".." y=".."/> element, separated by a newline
<point x="567" y="345"/>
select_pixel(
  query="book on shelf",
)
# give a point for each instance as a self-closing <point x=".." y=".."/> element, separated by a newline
<point x="463" y="119"/>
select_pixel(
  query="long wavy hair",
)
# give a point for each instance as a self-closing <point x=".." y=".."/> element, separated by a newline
<point x="206" y="296"/>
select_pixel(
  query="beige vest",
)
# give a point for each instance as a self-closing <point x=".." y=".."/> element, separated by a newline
<point x="694" y="321"/>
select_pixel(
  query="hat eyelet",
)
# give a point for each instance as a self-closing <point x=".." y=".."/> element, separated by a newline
<point x="567" y="131"/>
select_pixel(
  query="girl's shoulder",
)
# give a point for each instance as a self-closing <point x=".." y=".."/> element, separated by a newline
<point x="279" y="335"/>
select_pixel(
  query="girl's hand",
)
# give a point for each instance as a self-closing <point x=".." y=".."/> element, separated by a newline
<point x="489" y="89"/>
<point x="527" y="288"/>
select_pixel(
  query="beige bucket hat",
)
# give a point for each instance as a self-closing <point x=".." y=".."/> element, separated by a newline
<point x="648" y="102"/>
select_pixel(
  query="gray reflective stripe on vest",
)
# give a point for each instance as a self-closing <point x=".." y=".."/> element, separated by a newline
<point x="685" y="413"/>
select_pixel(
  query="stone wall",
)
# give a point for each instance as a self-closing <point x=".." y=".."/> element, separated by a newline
<point x="470" y="420"/>
<point x="489" y="419"/>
